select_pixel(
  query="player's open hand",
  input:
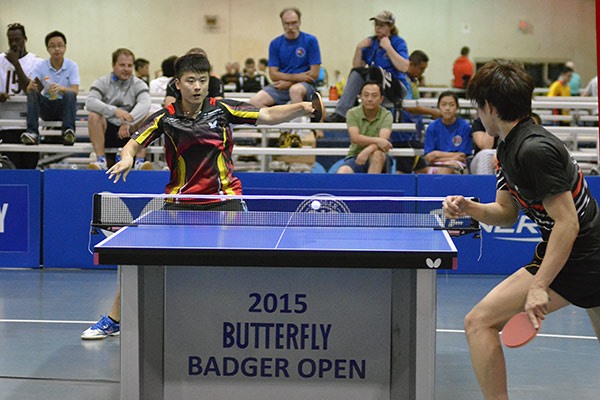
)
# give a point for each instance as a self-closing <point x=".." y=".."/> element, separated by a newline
<point x="454" y="206"/>
<point x="121" y="168"/>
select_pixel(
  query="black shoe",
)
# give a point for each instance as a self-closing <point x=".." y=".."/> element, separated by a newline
<point x="69" y="137"/>
<point x="335" y="117"/>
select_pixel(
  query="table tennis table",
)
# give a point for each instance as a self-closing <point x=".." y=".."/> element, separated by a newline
<point x="183" y="278"/>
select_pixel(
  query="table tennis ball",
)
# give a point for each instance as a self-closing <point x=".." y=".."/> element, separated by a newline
<point x="315" y="204"/>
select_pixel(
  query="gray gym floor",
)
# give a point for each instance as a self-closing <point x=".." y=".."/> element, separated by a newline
<point x="42" y="313"/>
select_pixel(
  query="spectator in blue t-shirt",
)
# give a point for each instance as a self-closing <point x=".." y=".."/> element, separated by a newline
<point x="294" y="64"/>
<point x="382" y="58"/>
<point x="448" y="139"/>
<point x="52" y="92"/>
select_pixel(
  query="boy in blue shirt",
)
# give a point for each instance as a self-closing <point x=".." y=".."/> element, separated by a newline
<point x="52" y="93"/>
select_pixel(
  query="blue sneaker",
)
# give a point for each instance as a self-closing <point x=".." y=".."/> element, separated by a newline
<point x="101" y="329"/>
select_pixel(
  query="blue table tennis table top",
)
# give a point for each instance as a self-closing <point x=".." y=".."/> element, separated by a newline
<point x="264" y="245"/>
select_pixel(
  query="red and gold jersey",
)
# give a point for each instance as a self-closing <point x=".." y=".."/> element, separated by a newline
<point x="198" y="150"/>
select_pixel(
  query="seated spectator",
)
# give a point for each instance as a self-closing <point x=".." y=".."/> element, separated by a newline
<point x="294" y="63"/>
<point x="158" y="86"/>
<point x="16" y="66"/>
<point x="52" y="92"/>
<point x="142" y="70"/>
<point x="215" y="85"/>
<point x="448" y="139"/>
<point x="462" y="69"/>
<point x="232" y="75"/>
<point x="251" y="81"/>
<point x="417" y="164"/>
<point x="262" y="67"/>
<point x="369" y="127"/>
<point x="116" y="102"/>
<point x="418" y="63"/>
<point x="484" y="159"/>
<point x="385" y="53"/>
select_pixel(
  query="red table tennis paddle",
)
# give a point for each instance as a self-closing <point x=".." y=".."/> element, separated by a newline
<point x="319" y="107"/>
<point x="519" y="330"/>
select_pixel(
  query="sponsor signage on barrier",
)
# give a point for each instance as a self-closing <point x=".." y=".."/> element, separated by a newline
<point x="292" y="331"/>
<point x="14" y="218"/>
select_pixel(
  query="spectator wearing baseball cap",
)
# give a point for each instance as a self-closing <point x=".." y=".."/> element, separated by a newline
<point x="385" y="16"/>
<point x="383" y="58"/>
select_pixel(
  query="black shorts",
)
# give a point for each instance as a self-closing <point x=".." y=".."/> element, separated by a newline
<point x="111" y="137"/>
<point x="578" y="281"/>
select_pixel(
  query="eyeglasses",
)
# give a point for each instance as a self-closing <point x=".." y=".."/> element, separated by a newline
<point x="291" y="24"/>
<point x="16" y="25"/>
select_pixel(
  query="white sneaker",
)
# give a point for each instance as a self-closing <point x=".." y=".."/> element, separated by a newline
<point x="143" y="165"/>
<point x="101" y="329"/>
<point x="98" y="165"/>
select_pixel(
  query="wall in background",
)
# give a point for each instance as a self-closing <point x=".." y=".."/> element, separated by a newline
<point x="554" y="30"/>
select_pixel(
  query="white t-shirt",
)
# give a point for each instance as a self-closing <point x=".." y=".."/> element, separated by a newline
<point x="9" y="84"/>
<point x="8" y="76"/>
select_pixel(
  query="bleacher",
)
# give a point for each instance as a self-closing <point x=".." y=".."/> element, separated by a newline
<point x="581" y="134"/>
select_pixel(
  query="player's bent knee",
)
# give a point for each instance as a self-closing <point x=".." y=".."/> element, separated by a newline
<point x="475" y="320"/>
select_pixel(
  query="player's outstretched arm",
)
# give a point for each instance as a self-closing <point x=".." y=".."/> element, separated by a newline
<point x="127" y="158"/>
<point x="284" y="113"/>
<point x="502" y="212"/>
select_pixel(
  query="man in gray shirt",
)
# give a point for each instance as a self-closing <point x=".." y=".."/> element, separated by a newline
<point x="117" y="102"/>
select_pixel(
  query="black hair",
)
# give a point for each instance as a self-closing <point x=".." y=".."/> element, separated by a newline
<point x="55" y="34"/>
<point x="140" y="62"/>
<point x="418" y="56"/>
<point x="191" y="63"/>
<point x="369" y="82"/>
<point x="17" y="27"/>
<point x="447" y="93"/>
<point x="506" y="86"/>
<point x="168" y="66"/>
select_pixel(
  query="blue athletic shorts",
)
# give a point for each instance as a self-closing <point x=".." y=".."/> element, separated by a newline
<point x="283" y="96"/>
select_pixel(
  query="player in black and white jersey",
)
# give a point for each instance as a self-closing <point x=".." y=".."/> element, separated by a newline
<point x="536" y="174"/>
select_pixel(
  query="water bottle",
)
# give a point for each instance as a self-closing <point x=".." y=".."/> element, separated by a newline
<point x="51" y="96"/>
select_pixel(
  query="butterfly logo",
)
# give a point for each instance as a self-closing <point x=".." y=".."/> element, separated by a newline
<point x="433" y="263"/>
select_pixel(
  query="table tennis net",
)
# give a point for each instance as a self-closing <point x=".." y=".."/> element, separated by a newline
<point x="111" y="211"/>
